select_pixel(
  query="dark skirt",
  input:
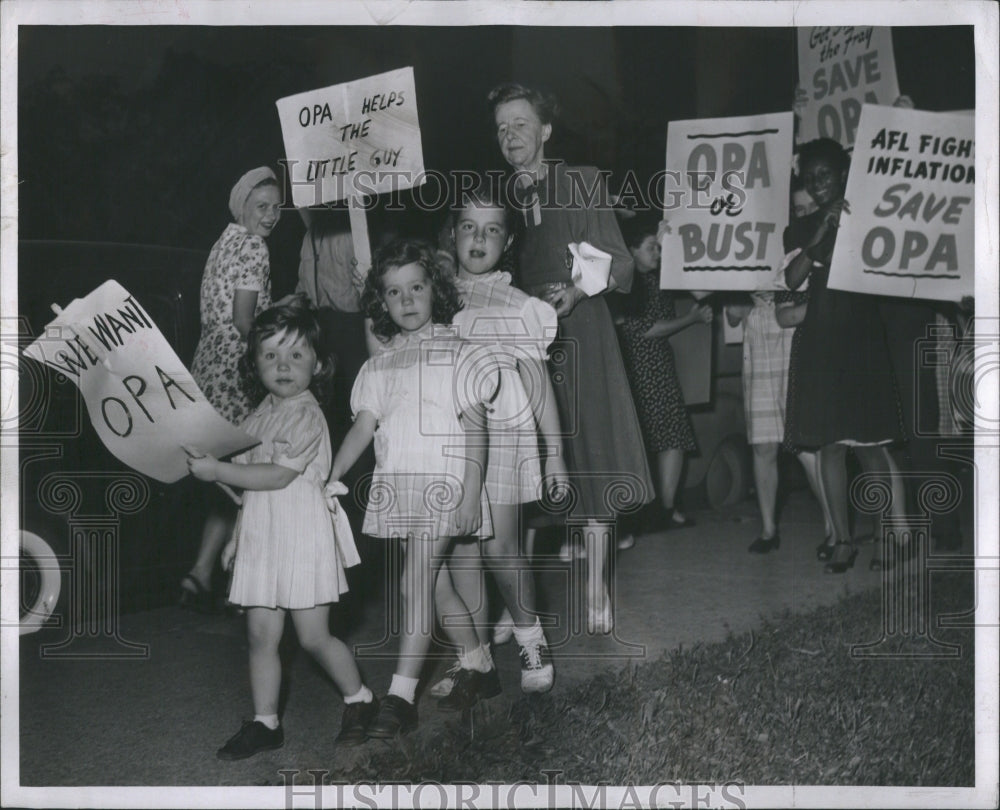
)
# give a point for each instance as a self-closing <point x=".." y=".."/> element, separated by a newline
<point x="605" y="454"/>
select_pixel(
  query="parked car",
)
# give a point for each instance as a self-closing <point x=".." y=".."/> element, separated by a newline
<point x="121" y="539"/>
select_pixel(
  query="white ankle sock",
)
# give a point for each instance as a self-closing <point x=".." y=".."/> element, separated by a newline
<point x="530" y="635"/>
<point x="403" y="687"/>
<point x="269" y="720"/>
<point x="363" y="695"/>
<point x="479" y="659"/>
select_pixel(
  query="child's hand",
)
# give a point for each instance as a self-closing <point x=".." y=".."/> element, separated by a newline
<point x="468" y="517"/>
<point x="201" y="465"/>
<point x="228" y="555"/>
<point x="331" y="492"/>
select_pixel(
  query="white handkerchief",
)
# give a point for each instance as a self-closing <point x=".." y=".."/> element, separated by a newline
<point x="591" y="267"/>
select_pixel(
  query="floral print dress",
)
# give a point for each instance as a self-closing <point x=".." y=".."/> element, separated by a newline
<point x="238" y="261"/>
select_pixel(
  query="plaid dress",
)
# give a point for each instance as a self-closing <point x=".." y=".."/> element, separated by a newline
<point x="515" y="328"/>
<point x="416" y="389"/>
<point x="767" y="348"/>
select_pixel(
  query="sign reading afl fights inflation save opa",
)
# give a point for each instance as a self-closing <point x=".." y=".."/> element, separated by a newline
<point x="911" y="189"/>
<point x="354" y="139"/>
<point x="726" y="202"/>
<point x="141" y="399"/>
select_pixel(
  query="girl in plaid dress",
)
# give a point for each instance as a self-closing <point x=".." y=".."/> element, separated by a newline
<point x="517" y="330"/>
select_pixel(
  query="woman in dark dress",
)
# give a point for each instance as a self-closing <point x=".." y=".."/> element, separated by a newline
<point x="845" y="390"/>
<point x="604" y="451"/>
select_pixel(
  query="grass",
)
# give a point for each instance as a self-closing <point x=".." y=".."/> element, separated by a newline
<point x="787" y="704"/>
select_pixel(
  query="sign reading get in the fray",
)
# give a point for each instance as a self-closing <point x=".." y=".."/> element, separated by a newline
<point x="141" y="399"/>
<point x="841" y="68"/>
<point x="911" y="191"/>
<point x="353" y="139"/>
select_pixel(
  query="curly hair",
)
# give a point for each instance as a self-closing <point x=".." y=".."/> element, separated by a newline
<point x="392" y="256"/>
<point x="298" y="318"/>
<point x="545" y="105"/>
<point x="823" y="149"/>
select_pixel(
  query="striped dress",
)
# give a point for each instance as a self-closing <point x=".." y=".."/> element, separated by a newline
<point x="767" y="349"/>
<point x="287" y="552"/>
<point x="515" y="328"/>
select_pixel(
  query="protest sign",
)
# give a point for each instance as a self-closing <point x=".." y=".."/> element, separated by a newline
<point x="727" y="186"/>
<point x="141" y="400"/>
<point x="911" y="191"/>
<point x="352" y="140"/>
<point x="842" y="68"/>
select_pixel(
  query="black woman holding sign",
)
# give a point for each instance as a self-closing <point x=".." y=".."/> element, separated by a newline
<point x="605" y="455"/>
<point x="235" y="288"/>
<point x="845" y="389"/>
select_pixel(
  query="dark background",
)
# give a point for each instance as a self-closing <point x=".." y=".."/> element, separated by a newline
<point x="136" y="134"/>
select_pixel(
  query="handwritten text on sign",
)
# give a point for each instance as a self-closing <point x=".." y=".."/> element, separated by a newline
<point x="735" y="175"/>
<point x="353" y="139"/>
<point x="141" y="400"/>
<point x="910" y="186"/>
<point x="840" y="69"/>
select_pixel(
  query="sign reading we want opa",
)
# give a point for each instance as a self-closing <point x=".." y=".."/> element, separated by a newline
<point x="353" y="139"/>
<point x="842" y="68"/>
<point x="726" y="193"/>
<point x="911" y="191"/>
<point x="141" y="400"/>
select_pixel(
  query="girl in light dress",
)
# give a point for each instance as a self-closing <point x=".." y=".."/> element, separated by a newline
<point x="516" y="329"/>
<point x="423" y="400"/>
<point x="285" y="552"/>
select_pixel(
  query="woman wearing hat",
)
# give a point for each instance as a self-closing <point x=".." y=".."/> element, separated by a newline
<point x="236" y="286"/>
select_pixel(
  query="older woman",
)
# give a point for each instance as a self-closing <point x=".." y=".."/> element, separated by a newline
<point x="235" y="287"/>
<point x="562" y="204"/>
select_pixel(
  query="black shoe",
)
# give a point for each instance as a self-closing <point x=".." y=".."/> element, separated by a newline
<point x="354" y="725"/>
<point x="843" y="558"/>
<point x="395" y="716"/>
<point x="195" y="596"/>
<point x="251" y="739"/>
<point x="762" y="545"/>
<point x="824" y="551"/>
<point x="470" y="685"/>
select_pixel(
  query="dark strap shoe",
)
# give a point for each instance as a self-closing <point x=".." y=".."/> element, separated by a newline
<point x="395" y="716"/>
<point x="251" y="739"/>
<point x="356" y="720"/>
<point x="470" y="685"/>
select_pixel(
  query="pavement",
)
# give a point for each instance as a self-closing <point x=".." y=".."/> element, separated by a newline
<point x="147" y="701"/>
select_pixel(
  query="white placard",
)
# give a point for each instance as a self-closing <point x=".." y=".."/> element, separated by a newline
<point x="354" y="139"/>
<point x="142" y="401"/>
<point x="842" y="68"/>
<point x="727" y="202"/>
<point x="911" y="192"/>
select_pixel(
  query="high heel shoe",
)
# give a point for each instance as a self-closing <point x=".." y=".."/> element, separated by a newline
<point x="843" y="558"/>
<point x="824" y="551"/>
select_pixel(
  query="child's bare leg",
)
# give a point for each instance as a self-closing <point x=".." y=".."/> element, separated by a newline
<point x="421" y="563"/>
<point x="516" y="585"/>
<point x="264" y="629"/>
<point x="460" y="591"/>
<point x="313" y="629"/>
